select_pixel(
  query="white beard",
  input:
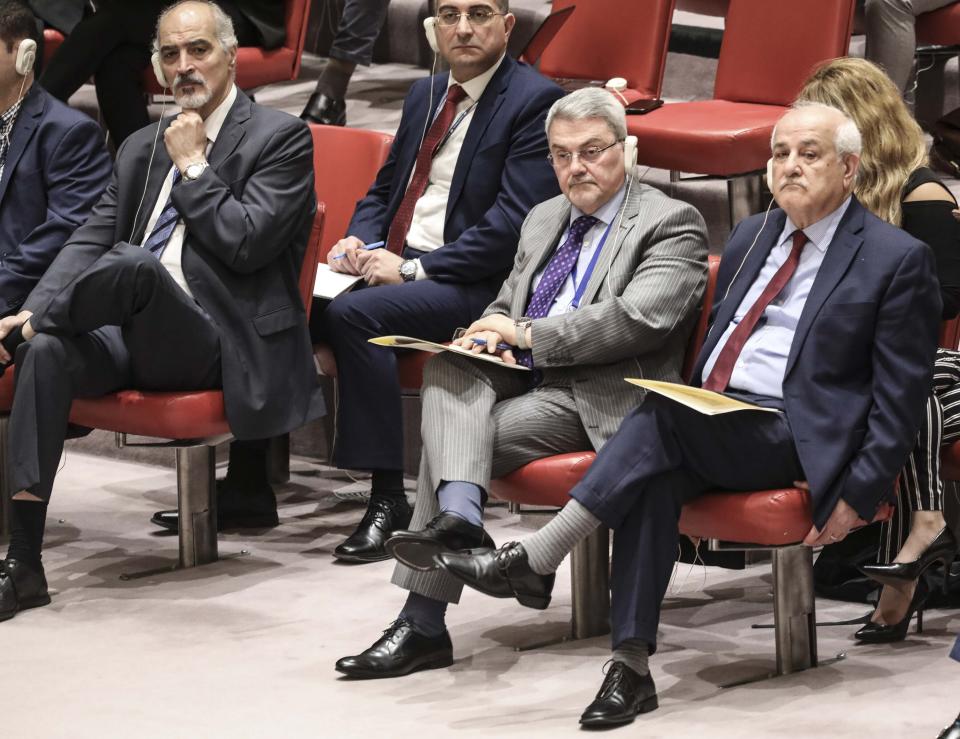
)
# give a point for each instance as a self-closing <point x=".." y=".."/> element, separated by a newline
<point x="193" y="102"/>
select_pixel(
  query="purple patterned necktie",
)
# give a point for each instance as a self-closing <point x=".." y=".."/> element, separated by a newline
<point x="558" y="270"/>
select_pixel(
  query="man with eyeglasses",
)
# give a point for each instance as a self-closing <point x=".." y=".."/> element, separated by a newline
<point x="467" y="164"/>
<point x="606" y="284"/>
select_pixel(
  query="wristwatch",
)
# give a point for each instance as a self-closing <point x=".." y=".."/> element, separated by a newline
<point x="522" y="324"/>
<point x="193" y="171"/>
<point x="408" y="270"/>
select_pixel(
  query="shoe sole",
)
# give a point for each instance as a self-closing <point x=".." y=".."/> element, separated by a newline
<point x="416" y="554"/>
<point x="235" y="523"/>
<point x="650" y="704"/>
<point x="361" y="559"/>
<point x="27" y="605"/>
<point x="434" y="664"/>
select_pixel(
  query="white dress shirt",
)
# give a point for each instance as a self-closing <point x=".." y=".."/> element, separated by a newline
<point x="430" y="212"/>
<point x="606" y="215"/>
<point x="173" y="251"/>
<point x="763" y="360"/>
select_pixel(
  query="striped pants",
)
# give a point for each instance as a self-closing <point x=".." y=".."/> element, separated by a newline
<point x="921" y="488"/>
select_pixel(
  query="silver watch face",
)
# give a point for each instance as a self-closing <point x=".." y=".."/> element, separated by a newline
<point x="194" y="171"/>
<point x="408" y="269"/>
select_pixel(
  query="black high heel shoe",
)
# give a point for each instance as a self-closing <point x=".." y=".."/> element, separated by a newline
<point x="942" y="549"/>
<point x="874" y="633"/>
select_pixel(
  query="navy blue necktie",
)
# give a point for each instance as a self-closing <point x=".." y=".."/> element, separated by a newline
<point x="158" y="238"/>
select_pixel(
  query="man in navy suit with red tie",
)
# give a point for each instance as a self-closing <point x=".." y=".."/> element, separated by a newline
<point x="823" y="312"/>
<point x="468" y="162"/>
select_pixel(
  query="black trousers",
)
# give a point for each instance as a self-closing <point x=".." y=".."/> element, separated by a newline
<point x="663" y="455"/>
<point x="123" y="323"/>
<point x="369" y="423"/>
<point x="359" y="27"/>
<point x="113" y="47"/>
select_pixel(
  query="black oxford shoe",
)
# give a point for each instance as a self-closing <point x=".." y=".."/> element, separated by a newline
<point x="236" y="509"/>
<point x="21" y="587"/>
<point x="325" y="110"/>
<point x="445" y="532"/>
<point x="502" y="573"/>
<point x="622" y="696"/>
<point x="383" y="517"/>
<point x="400" y="651"/>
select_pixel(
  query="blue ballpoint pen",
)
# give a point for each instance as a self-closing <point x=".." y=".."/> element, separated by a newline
<point x="483" y="342"/>
<point x="365" y="247"/>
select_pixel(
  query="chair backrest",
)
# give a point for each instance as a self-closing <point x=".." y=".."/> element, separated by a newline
<point x="296" y="16"/>
<point x="612" y="38"/>
<point x="308" y="270"/>
<point x="771" y="46"/>
<point x="703" y="322"/>
<point x="345" y="164"/>
<point x="950" y="334"/>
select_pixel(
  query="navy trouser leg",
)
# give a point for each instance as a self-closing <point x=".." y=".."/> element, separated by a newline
<point x="359" y="27"/>
<point x="663" y="455"/>
<point x="369" y="415"/>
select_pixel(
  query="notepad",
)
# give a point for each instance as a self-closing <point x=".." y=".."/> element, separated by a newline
<point x="408" y="342"/>
<point x="330" y="284"/>
<point x="703" y="401"/>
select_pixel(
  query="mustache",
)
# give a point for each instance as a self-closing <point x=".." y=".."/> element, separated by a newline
<point x="189" y="79"/>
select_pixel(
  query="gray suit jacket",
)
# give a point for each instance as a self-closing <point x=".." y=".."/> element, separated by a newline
<point x="637" y="312"/>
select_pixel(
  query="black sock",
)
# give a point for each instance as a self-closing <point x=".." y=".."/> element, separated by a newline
<point x="27" y="521"/>
<point x="335" y="77"/>
<point x="247" y="470"/>
<point x="388" y="484"/>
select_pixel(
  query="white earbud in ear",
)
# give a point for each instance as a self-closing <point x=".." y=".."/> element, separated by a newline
<point x="430" y="30"/>
<point x="630" y="153"/>
<point x="770" y="175"/>
<point x="26" y="57"/>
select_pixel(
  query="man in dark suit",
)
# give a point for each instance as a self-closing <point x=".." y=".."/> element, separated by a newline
<point x="184" y="277"/>
<point x="113" y="47"/>
<point x="826" y="314"/>
<point x="468" y="162"/>
<point x="53" y="166"/>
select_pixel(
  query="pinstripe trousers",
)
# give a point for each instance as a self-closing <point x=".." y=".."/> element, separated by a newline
<point x="921" y="488"/>
<point x="480" y="422"/>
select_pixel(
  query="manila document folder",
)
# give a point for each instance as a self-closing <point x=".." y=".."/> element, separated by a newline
<point x="704" y="401"/>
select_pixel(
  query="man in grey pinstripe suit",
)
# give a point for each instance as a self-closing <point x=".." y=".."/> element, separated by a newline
<point x="605" y="285"/>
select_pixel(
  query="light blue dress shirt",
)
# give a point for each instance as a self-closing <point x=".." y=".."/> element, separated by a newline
<point x="606" y="214"/>
<point x="763" y="360"/>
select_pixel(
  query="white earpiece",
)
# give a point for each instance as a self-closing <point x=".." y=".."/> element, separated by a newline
<point x="158" y="69"/>
<point x="617" y="85"/>
<point x="630" y="153"/>
<point x="26" y="56"/>
<point x="770" y="175"/>
<point x="430" y="29"/>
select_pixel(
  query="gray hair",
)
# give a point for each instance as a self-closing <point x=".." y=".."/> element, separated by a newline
<point x="846" y="139"/>
<point x="590" y="102"/>
<point x="223" y="25"/>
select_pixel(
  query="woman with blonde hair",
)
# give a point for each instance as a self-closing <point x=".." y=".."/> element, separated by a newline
<point x="896" y="185"/>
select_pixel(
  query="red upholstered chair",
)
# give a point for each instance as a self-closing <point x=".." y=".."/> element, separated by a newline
<point x="938" y="41"/>
<point x="257" y="67"/>
<point x="194" y="422"/>
<point x="769" y="48"/>
<point x="633" y="38"/>
<point x="769" y="519"/>
<point x="51" y="42"/>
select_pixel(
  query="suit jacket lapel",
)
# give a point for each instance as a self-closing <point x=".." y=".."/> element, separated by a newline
<point x="624" y="222"/>
<point x="541" y="253"/>
<point x="840" y="253"/>
<point x="23" y="128"/>
<point x="487" y="107"/>
<point x="232" y="131"/>
<point x="159" y="168"/>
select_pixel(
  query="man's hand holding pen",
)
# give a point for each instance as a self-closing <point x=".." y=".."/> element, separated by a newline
<point x="494" y="334"/>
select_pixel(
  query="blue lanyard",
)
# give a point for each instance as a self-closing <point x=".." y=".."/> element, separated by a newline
<point x="578" y="295"/>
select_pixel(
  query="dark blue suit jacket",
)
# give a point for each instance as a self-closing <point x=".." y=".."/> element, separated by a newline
<point x="56" y="169"/>
<point x="860" y="367"/>
<point x="501" y="173"/>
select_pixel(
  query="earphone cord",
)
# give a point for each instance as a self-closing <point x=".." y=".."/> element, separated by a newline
<point x="744" y="260"/>
<point x="146" y="183"/>
<point x="427" y="119"/>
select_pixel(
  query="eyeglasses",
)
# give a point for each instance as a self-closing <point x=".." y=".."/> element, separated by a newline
<point x="588" y="155"/>
<point x="475" y="17"/>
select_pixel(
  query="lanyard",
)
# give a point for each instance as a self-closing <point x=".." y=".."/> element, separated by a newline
<point x="453" y="126"/>
<point x="578" y="295"/>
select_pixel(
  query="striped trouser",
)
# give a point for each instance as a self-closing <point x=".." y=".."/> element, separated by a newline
<point x="921" y="488"/>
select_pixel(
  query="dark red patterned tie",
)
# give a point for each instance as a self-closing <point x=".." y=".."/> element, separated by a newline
<point x="722" y="369"/>
<point x="400" y="225"/>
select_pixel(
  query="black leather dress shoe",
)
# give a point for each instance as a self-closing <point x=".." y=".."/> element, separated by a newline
<point x="383" y="517"/>
<point x="400" y="651"/>
<point x="622" y="696"/>
<point x="235" y="510"/>
<point x="952" y="731"/>
<point x="325" y="110"/>
<point x="21" y="587"/>
<point x="445" y="532"/>
<point x="502" y="573"/>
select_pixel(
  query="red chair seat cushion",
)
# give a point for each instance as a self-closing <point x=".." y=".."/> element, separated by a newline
<point x="6" y="391"/>
<point x="950" y="462"/>
<point x="940" y="27"/>
<point x="713" y="137"/>
<point x="410" y="366"/>
<point x="184" y="415"/>
<point x="545" y="482"/>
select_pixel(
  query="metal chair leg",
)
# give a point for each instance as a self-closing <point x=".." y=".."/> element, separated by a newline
<point x="5" y="491"/>
<point x="794" y="611"/>
<point x="197" y="504"/>
<point x="590" y="581"/>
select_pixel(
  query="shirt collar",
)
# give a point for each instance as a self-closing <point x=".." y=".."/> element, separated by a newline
<point x="606" y="212"/>
<point x="475" y="87"/>
<point x="214" y="121"/>
<point x="9" y="115"/>
<point x="820" y="233"/>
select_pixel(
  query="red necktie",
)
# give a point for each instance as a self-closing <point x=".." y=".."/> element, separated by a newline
<point x="719" y="376"/>
<point x="400" y="225"/>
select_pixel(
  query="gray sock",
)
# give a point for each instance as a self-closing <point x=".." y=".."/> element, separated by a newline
<point x="427" y="615"/>
<point x="547" y="548"/>
<point x="634" y="653"/>
<point x="464" y="499"/>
